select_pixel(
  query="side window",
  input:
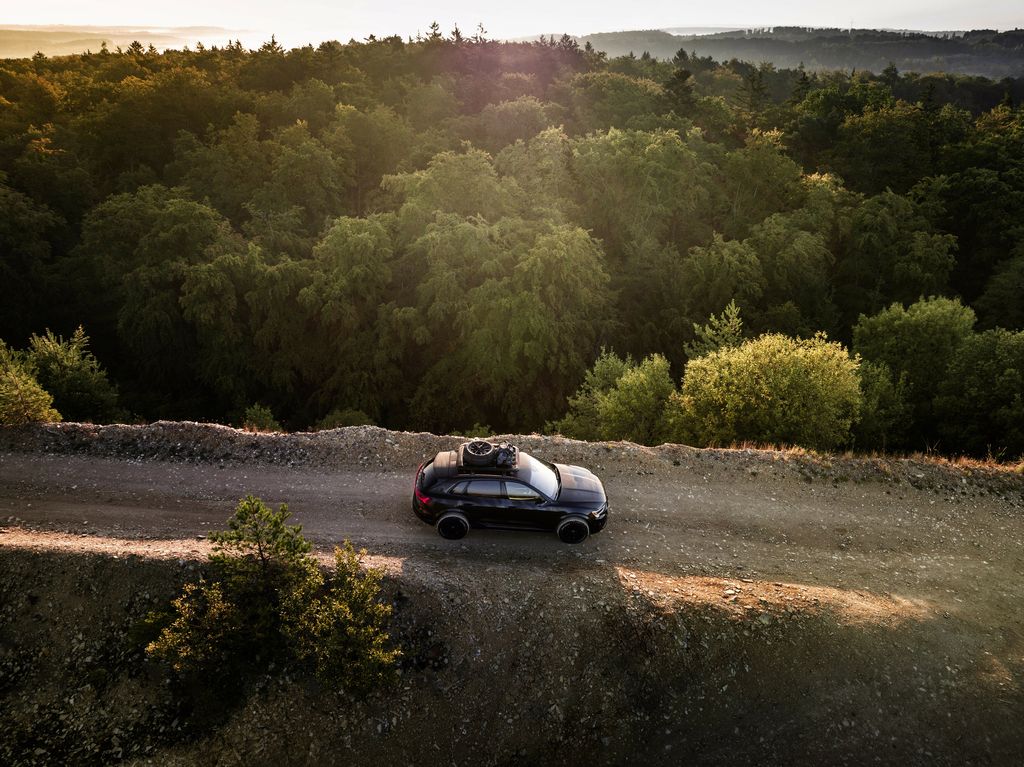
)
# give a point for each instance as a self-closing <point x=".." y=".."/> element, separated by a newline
<point x="517" y="491"/>
<point x="459" y="488"/>
<point x="485" y="488"/>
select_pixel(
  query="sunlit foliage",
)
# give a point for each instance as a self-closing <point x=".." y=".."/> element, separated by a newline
<point x="376" y="230"/>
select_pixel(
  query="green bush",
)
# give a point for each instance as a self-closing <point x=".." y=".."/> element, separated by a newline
<point x="885" y="414"/>
<point x="582" y="421"/>
<point x="634" y="409"/>
<point x="918" y="341"/>
<point x="269" y="604"/>
<point x="619" y="399"/>
<point x="259" y="418"/>
<point x="336" y="626"/>
<point x="344" y="417"/>
<point x="70" y="372"/>
<point x="980" y="404"/>
<point x="773" y="389"/>
<point x="22" y="399"/>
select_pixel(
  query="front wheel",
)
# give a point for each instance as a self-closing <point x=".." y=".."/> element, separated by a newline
<point x="573" y="530"/>
<point x="453" y="525"/>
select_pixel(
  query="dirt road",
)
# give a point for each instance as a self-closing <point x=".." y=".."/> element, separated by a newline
<point x="959" y="553"/>
<point x="925" y="559"/>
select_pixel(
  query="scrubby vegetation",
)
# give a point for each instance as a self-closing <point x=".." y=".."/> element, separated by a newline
<point x="22" y="399"/>
<point x="267" y="603"/>
<point x="443" y="233"/>
<point x="773" y="388"/>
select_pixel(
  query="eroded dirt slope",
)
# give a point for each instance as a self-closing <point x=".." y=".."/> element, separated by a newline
<point x="741" y="606"/>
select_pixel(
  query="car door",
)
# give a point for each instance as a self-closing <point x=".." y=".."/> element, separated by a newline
<point x="483" y="502"/>
<point x="526" y="507"/>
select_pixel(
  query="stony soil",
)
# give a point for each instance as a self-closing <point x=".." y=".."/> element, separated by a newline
<point x="741" y="607"/>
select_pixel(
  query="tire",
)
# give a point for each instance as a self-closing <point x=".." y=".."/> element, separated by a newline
<point x="573" y="530"/>
<point x="478" y="453"/>
<point x="453" y="525"/>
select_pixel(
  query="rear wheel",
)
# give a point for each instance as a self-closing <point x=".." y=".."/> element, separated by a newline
<point x="573" y="530"/>
<point x="453" y="525"/>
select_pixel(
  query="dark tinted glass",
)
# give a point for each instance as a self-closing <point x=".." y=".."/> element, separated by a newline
<point x="487" y="488"/>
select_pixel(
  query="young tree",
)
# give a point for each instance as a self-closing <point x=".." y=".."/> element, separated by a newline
<point x="22" y="399"/>
<point x="885" y="415"/>
<point x="634" y="408"/>
<point x="269" y="604"/>
<point x="721" y="331"/>
<point x="75" y="378"/>
<point x="582" y="419"/>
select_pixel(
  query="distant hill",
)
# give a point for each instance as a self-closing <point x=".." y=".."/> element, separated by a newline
<point x="977" y="52"/>
<point x="25" y="41"/>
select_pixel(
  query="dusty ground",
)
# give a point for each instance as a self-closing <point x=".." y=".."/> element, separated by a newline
<point x="741" y="606"/>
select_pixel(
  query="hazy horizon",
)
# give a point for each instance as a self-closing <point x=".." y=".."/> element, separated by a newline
<point x="312" y="21"/>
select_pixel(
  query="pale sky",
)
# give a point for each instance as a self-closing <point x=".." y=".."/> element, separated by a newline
<point x="301" y="21"/>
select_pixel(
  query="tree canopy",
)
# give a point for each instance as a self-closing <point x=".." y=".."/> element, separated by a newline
<point x="445" y="232"/>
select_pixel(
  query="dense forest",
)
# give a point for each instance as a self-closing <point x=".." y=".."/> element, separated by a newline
<point x="456" y="233"/>
<point x="983" y="52"/>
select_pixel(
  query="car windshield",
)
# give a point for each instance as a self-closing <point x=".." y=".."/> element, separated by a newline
<point x="539" y="474"/>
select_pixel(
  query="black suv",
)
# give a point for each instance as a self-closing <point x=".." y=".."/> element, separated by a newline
<point x="486" y="485"/>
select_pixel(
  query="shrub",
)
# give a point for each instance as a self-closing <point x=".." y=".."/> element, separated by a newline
<point x="344" y="417"/>
<point x="980" y="405"/>
<point x="22" y="399"/>
<point x="619" y="399"/>
<point x="773" y="389"/>
<point x="885" y="415"/>
<point x="338" y="629"/>
<point x="268" y="603"/>
<point x="259" y="418"/>
<point x="634" y="408"/>
<point x="582" y="421"/>
<point x="70" y="372"/>
<point x="919" y="341"/>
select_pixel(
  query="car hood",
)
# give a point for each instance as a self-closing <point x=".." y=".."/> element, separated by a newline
<point x="579" y="484"/>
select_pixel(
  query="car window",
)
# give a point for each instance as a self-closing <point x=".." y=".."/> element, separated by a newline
<point x="459" y="488"/>
<point x="486" y="488"/>
<point x="539" y="474"/>
<point x="517" y="491"/>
